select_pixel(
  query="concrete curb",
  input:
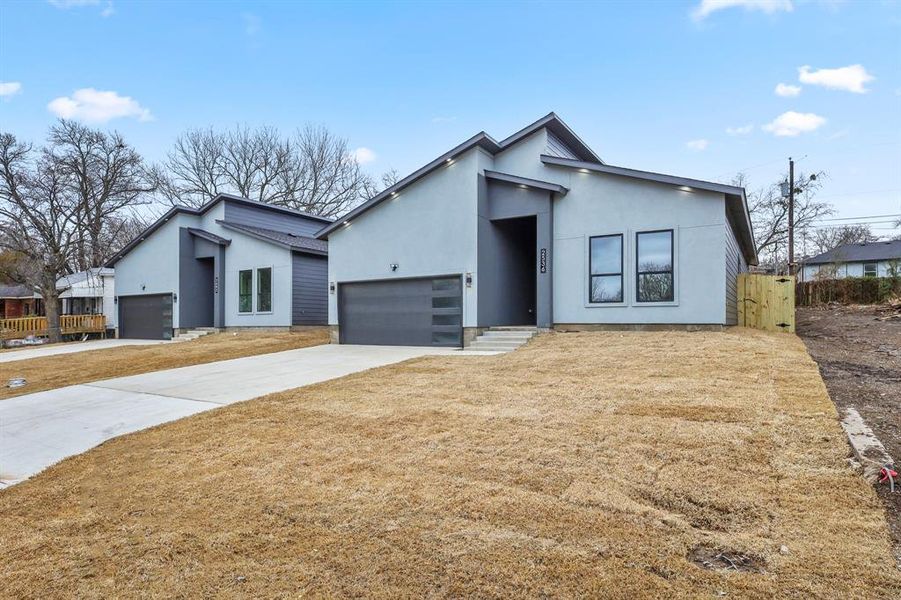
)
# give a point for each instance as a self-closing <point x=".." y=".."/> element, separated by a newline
<point x="868" y="450"/>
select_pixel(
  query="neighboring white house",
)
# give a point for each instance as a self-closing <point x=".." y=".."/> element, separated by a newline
<point x="868" y="259"/>
<point x="90" y="292"/>
<point x="233" y="262"/>
<point x="534" y="230"/>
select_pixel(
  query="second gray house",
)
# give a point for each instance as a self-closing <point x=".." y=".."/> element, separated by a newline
<point x="230" y="263"/>
<point x="534" y="230"/>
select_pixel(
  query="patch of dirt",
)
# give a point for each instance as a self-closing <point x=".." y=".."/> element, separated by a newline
<point x="858" y="349"/>
<point x="719" y="559"/>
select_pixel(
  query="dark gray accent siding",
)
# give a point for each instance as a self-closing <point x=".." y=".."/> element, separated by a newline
<point x="248" y="215"/>
<point x="556" y="147"/>
<point x="735" y="264"/>
<point x="200" y="264"/>
<point x="309" y="289"/>
<point x="499" y="201"/>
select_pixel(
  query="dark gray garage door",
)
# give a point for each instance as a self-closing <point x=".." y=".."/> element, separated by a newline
<point x="146" y="317"/>
<point x="402" y="312"/>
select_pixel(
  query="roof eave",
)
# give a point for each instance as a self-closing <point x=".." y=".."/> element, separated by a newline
<point x="750" y="251"/>
<point x="526" y="182"/>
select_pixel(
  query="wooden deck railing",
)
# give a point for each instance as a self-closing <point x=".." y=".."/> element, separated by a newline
<point x="69" y="324"/>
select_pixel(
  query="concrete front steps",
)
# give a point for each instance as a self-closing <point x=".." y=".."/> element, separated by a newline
<point x="503" y="339"/>
<point x="193" y="334"/>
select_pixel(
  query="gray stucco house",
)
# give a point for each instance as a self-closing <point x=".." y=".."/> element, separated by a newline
<point x="231" y="263"/>
<point x="868" y="259"/>
<point x="534" y="230"/>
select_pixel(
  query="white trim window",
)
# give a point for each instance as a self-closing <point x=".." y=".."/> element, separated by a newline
<point x="245" y="291"/>
<point x="654" y="266"/>
<point x="870" y="269"/>
<point x="264" y="290"/>
<point x="605" y="269"/>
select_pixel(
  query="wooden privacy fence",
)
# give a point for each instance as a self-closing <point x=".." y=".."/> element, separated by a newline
<point x="766" y="302"/>
<point x="69" y="324"/>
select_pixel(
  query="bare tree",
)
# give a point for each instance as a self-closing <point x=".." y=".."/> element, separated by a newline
<point x="769" y="216"/>
<point x="313" y="170"/>
<point x="832" y="237"/>
<point x="63" y="207"/>
<point x="106" y="175"/>
<point x="39" y="219"/>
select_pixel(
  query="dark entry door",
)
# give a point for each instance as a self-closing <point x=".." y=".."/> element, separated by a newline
<point x="402" y="312"/>
<point x="146" y="317"/>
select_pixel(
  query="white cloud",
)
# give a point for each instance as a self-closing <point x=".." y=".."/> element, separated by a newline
<point x="697" y="145"/>
<point x="253" y="24"/>
<point x="787" y="91"/>
<point x="708" y="7"/>
<point x="8" y="89"/>
<point x="791" y="123"/>
<point x="97" y="106"/>
<point x="363" y="155"/>
<point x="743" y="130"/>
<point x="107" y="11"/>
<point x="850" y="79"/>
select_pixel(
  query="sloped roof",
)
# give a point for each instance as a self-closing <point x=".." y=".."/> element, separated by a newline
<point x="736" y="201"/>
<point x="16" y="291"/>
<point x="299" y="243"/>
<point x="869" y="251"/>
<point x="175" y="210"/>
<point x="210" y="237"/>
<point x="551" y="121"/>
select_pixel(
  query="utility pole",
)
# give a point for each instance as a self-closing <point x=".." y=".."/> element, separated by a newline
<point x="791" y="216"/>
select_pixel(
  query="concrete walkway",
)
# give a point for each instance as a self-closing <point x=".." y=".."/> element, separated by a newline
<point x="38" y="430"/>
<point x="70" y="347"/>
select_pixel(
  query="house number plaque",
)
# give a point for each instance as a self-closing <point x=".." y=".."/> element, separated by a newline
<point x="542" y="261"/>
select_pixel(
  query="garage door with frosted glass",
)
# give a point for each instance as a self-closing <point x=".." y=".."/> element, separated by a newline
<point x="145" y="317"/>
<point x="402" y="312"/>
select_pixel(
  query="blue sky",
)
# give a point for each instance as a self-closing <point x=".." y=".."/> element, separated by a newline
<point x="678" y="87"/>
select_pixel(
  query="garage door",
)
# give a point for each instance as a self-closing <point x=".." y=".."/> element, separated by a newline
<point x="402" y="312"/>
<point x="146" y="317"/>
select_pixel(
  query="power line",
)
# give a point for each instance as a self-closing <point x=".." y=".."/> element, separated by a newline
<point x="894" y="216"/>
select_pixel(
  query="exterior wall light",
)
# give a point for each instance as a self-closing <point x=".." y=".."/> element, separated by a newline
<point x="331" y="287"/>
<point x="175" y="297"/>
<point x="468" y="280"/>
<point x="393" y="266"/>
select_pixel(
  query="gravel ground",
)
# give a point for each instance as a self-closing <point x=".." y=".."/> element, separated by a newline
<point x="859" y="354"/>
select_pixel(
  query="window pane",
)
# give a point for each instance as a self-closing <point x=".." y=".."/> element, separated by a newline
<point x="869" y="270"/>
<point x="446" y="302"/>
<point x="655" y="287"/>
<point x="607" y="288"/>
<point x="264" y="290"/>
<point x="606" y="254"/>
<point x="655" y="251"/>
<point x="245" y="291"/>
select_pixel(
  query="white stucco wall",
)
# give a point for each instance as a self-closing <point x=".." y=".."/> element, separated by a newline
<point x="109" y="304"/>
<point x="152" y="266"/>
<point x="600" y="204"/>
<point x="428" y="229"/>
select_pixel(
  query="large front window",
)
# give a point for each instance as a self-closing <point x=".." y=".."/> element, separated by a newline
<point x="654" y="266"/>
<point x="605" y="269"/>
<point x="264" y="290"/>
<point x="870" y="269"/>
<point x="245" y="291"/>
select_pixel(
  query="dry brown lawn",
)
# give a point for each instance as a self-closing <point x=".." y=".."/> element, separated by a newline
<point x="50" y="372"/>
<point x="582" y="465"/>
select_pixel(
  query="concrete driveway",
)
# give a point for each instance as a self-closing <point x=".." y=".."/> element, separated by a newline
<point x="38" y="430"/>
<point x="70" y="347"/>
